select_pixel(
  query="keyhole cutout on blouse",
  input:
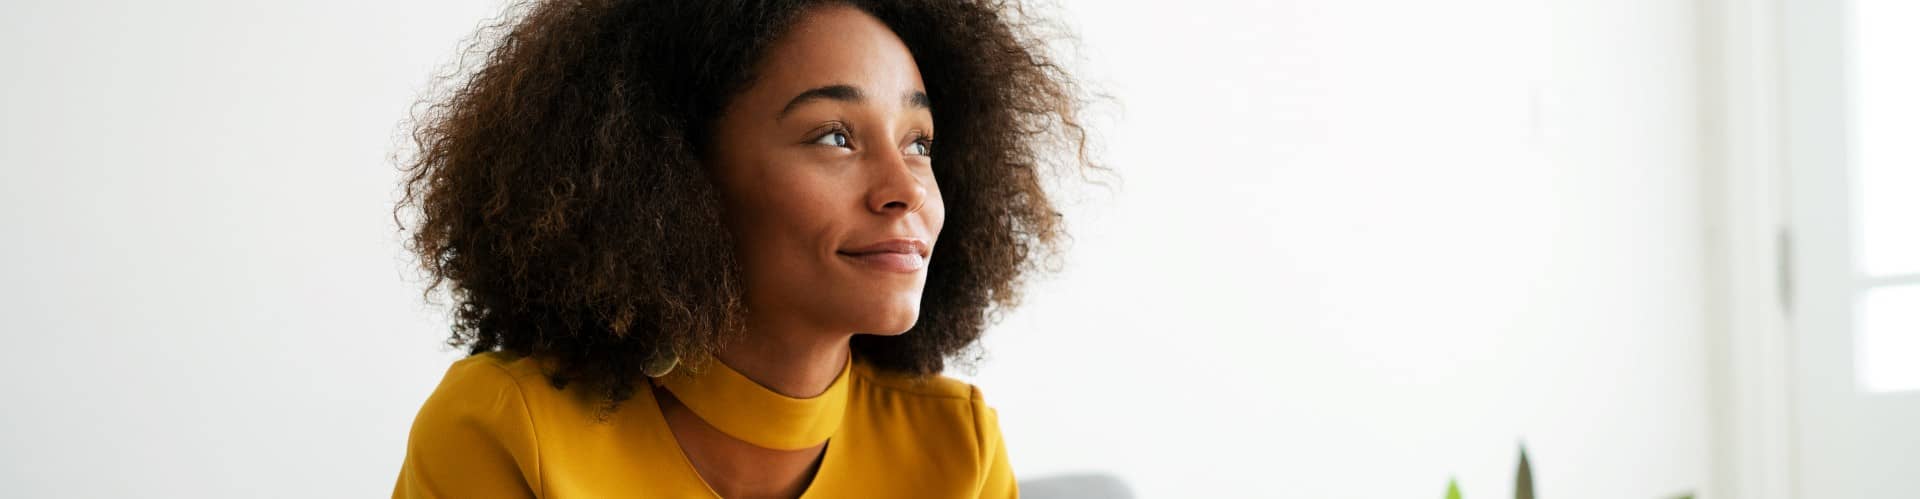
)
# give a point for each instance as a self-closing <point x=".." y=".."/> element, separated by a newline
<point x="735" y="469"/>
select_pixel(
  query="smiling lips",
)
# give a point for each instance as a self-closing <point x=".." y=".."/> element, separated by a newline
<point x="902" y="255"/>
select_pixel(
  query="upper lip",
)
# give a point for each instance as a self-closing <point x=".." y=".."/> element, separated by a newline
<point x="897" y="245"/>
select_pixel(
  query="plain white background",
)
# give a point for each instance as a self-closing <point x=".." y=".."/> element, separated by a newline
<point x="1359" y="248"/>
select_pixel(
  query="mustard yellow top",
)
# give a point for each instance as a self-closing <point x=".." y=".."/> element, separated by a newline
<point x="495" y="428"/>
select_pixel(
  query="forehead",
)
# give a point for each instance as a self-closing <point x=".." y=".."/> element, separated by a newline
<point x="835" y="45"/>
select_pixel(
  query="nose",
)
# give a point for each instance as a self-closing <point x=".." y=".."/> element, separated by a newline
<point x="894" y="184"/>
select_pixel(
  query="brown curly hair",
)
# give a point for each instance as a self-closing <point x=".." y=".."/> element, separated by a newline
<point x="561" y="197"/>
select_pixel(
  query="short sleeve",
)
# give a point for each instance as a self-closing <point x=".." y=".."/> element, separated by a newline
<point x="473" y="438"/>
<point x="997" y="480"/>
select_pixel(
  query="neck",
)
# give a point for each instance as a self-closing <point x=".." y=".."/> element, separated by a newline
<point x="734" y="468"/>
<point x="795" y="361"/>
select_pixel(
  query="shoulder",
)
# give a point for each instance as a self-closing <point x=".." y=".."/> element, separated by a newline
<point x="963" y="404"/>
<point x="502" y="391"/>
<point x="487" y="391"/>
<point x="930" y="387"/>
<point x="939" y="413"/>
<point x="920" y="390"/>
<point x="475" y="432"/>
<point x="486" y="379"/>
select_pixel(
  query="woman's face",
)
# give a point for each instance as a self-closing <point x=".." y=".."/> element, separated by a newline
<point x="824" y="170"/>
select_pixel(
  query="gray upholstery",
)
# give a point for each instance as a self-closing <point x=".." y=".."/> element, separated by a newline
<point x="1075" y="486"/>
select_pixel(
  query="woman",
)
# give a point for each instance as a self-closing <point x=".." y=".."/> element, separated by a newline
<point x="693" y="243"/>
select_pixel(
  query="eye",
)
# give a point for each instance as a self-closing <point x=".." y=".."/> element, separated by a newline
<point x="835" y="138"/>
<point x="922" y="147"/>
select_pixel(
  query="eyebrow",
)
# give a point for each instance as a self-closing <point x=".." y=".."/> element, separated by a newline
<point x="847" y="93"/>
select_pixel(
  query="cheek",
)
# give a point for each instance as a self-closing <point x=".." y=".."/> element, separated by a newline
<point x="935" y="211"/>
<point x="794" y="213"/>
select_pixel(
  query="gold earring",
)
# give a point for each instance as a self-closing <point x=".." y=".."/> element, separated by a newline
<point x="661" y="364"/>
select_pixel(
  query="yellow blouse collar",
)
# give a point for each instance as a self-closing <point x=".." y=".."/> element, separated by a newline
<point x="741" y="408"/>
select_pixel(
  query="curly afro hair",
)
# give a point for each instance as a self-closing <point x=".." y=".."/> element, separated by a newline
<point x="561" y="200"/>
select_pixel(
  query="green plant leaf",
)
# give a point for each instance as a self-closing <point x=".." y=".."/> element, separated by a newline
<point x="1453" y="489"/>
<point x="1523" y="477"/>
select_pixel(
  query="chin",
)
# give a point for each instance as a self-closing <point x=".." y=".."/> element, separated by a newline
<point x="893" y="327"/>
<point x="896" y="320"/>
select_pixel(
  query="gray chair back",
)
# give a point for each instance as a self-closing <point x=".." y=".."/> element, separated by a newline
<point x="1075" y="486"/>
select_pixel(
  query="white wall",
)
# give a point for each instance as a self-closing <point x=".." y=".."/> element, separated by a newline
<point x="203" y="294"/>
<point x="1367" y="245"/>
<point x="1361" y="246"/>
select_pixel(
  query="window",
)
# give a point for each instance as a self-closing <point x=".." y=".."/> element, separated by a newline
<point x="1852" y="143"/>
<point x="1885" y="124"/>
